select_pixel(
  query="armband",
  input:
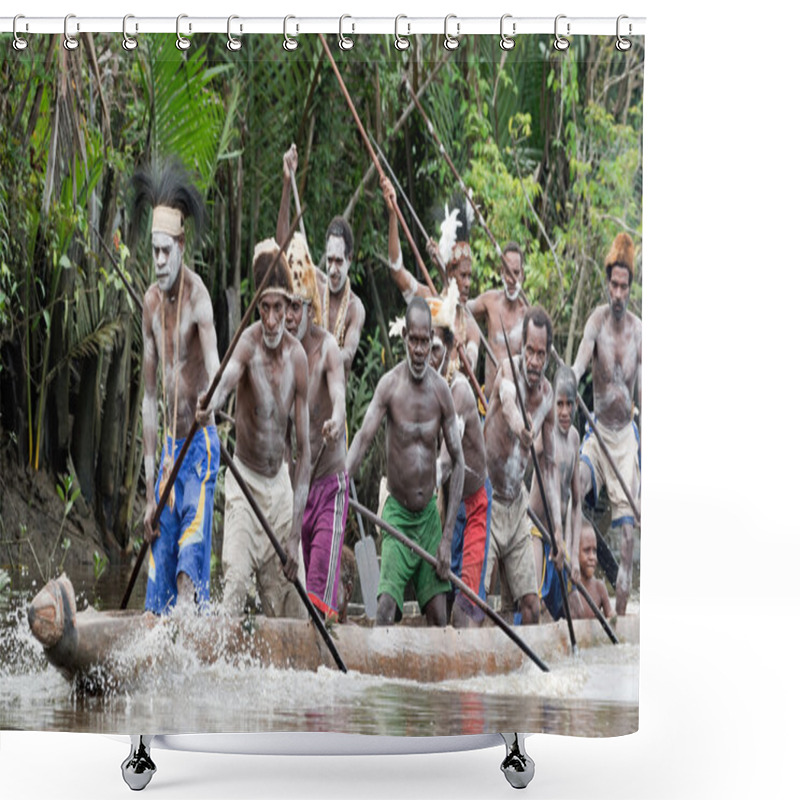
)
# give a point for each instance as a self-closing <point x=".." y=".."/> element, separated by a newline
<point x="411" y="292"/>
<point x="396" y="265"/>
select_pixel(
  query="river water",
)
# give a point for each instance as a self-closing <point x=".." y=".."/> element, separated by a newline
<point x="592" y="694"/>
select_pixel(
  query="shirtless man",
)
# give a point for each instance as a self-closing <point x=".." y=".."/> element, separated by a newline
<point x="326" y="509"/>
<point x="178" y="333"/>
<point x="417" y="404"/>
<point x="587" y="563"/>
<point x="612" y="341"/>
<point x="567" y="443"/>
<point x="519" y="555"/>
<point x="502" y="308"/>
<point x="270" y="373"/>
<point x="342" y="312"/>
<point x="470" y="535"/>
<point x="459" y="267"/>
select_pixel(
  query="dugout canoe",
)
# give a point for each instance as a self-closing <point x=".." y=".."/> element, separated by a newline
<point x="107" y="649"/>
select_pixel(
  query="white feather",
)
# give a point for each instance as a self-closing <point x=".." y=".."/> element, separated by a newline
<point x="447" y="240"/>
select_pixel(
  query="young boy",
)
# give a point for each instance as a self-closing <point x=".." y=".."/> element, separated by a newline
<point x="587" y="560"/>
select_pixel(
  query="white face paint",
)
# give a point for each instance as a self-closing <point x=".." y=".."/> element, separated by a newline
<point x="337" y="264"/>
<point x="273" y="341"/>
<point x="416" y="373"/>
<point x="167" y="257"/>
<point x="511" y="296"/>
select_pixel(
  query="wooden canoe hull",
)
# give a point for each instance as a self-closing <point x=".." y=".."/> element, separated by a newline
<point x="86" y="645"/>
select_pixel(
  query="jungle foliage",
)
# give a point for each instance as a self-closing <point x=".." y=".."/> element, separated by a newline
<point x="550" y="143"/>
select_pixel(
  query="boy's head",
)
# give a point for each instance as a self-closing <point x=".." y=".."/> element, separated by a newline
<point x="587" y="553"/>
<point x="566" y="391"/>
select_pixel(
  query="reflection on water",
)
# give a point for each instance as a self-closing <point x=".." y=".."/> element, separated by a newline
<point x="592" y="694"/>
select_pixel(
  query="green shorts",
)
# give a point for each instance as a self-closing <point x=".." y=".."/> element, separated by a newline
<point x="399" y="565"/>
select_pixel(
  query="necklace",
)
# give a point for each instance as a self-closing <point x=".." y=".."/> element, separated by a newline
<point x="338" y="327"/>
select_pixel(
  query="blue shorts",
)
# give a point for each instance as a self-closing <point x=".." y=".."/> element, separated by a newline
<point x="551" y="586"/>
<point x="184" y="543"/>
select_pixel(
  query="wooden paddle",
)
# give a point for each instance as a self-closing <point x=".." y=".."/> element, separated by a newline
<point x="540" y="483"/>
<point x="312" y="611"/>
<point x="579" y="586"/>
<point x="424" y="554"/>
<point x="367" y="562"/>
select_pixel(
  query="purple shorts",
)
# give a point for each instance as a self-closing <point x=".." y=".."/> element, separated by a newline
<point x="322" y="538"/>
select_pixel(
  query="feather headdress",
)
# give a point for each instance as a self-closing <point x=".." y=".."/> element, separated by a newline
<point x="455" y="228"/>
<point x="167" y="189"/>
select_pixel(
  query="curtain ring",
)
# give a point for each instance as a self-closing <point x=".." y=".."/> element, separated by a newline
<point x="345" y="42"/>
<point x="19" y="43"/>
<point x="289" y="43"/>
<point x="70" y="42"/>
<point x="129" y="42"/>
<point x="507" y="42"/>
<point x="182" y="43"/>
<point x="401" y="42"/>
<point x="233" y="44"/>
<point x="560" y="43"/>
<point x="622" y="43"/>
<point x="451" y="42"/>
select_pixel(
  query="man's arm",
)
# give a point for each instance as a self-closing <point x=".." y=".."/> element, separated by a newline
<point x="452" y="439"/>
<point x="587" y="345"/>
<point x="149" y="418"/>
<point x="289" y="167"/>
<point x="575" y="513"/>
<point x="510" y="406"/>
<point x="550" y="478"/>
<point x="230" y="377"/>
<point x="403" y="279"/>
<point x="369" y="427"/>
<point x="333" y="428"/>
<point x="639" y="377"/>
<point x="302" y="467"/>
<point x="479" y="306"/>
<point x="204" y="315"/>
<point x="352" y="335"/>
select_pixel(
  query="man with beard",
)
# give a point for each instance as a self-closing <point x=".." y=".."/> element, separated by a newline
<point x="178" y="333"/>
<point x="502" y="309"/>
<point x="418" y="406"/>
<point x="326" y="509"/>
<point x="612" y="340"/>
<point x="457" y="257"/>
<point x="342" y="312"/>
<point x="270" y="372"/>
<point x="567" y="443"/>
<point x="519" y="556"/>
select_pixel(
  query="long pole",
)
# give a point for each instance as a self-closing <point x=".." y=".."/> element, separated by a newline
<point x="312" y="612"/>
<point x="578" y="585"/>
<point x="421" y="227"/>
<point x="457" y="176"/>
<point x="462" y="355"/>
<point x="203" y="405"/>
<point x="297" y="205"/>
<point x="424" y="554"/>
<point x="590" y="419"/>
<point x="540" y="483"/>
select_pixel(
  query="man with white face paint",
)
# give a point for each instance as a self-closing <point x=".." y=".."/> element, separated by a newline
<point x="325" y="513"/>
<point x="502" y="308"/>
<point x="612" y="341"/>
<point x="178" y="333"/>
<point x="269" y="370"/>
<point x="417" y="405"/>
<point x="342" y="311"/>
<point x="518" y="555"/>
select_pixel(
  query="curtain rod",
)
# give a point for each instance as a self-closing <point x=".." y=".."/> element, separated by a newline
<point x="453" y="25"/>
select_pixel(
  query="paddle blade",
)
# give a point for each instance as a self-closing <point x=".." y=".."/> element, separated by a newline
<point x="368" y="574"/>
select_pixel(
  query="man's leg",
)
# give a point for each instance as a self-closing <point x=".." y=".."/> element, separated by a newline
<point x="186" y="590"/>
<point x="387" y="610"/>
<point x="625" y="575"/>
<point x="436" y="610"/>
<point x="529" y="608"/>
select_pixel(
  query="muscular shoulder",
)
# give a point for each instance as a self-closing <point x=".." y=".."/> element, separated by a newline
<point x="355" y="308"/>
<point x="597" y="319"/>
<point x="463" y="398"/>
<point x="151" y="302"/>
